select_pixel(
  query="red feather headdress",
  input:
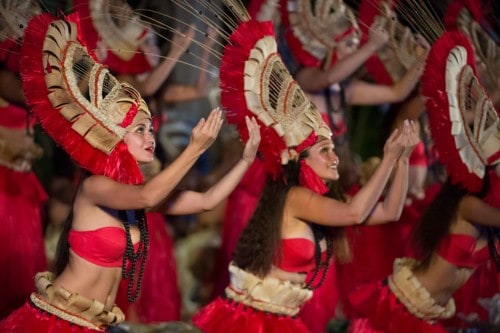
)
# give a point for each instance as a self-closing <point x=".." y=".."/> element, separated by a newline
<point x="463" y="121"/>
<point x="77" y="101"/>
<point x="391" y="62"/>
<point x="255" y="82"/>
<point x="467" y="16"/>
<point x="312" y="32"/>
<point x="122" y="32"/>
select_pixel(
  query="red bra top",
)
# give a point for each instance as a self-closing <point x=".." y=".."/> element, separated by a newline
<point x="460" y="250"/>
<point x="104" y="246"/>
<point x="297" y="255"/>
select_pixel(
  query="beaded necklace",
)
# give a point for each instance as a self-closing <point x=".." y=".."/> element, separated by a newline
<point x="132" y="259"/>
<point x="319" y="235"/>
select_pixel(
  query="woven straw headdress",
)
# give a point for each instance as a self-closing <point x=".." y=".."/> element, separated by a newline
<point x="467" y="16"/>
<point x="394" y="59"/>
<point x="255" y="82"/>
<point x="78" y="102"/>
<point x="114" y="23"/>
<point x="313" y="28"/>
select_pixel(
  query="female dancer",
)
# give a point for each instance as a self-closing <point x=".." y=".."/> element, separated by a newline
<point x="129" y="47"/>
<point x="325" y="38"/>
<point x="106" y="127"/>
<point x="284" y="252"/>
<point x="459" y="231"/>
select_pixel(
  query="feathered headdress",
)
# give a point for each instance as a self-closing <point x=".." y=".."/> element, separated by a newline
<point x="77" y="101"/>
<point x="467" y="16"/>
<point x="122" y="32"/>
<point x="313" y="29"/>
<point x="464" y="124"/>
<point x="393" y="60"/>
<point x="255" y="82"/>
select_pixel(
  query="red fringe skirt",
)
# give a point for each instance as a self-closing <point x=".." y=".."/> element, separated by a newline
<point x="384" y="312"/>
<point x="30" y="319"/>
<point x="225" y="315"/>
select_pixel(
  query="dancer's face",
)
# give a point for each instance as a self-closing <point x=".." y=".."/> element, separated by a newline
<point x="323" y="160"/>
<point x="140" y="140"/>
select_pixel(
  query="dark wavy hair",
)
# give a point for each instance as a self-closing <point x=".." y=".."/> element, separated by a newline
<point x="260" y="242"/>
<point x="437" y="219"/>
<point x="62" y="252"/>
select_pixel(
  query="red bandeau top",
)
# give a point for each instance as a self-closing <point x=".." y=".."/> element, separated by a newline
<point x="460" y="250"/>
<point x="297" y="255"/>
<point x="103" y="247"/>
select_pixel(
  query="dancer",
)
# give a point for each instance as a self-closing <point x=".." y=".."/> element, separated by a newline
<point x="129" y="46"/>
<point x="284" y="252"/>
<point x="327" y="42"/>
<point x="106" y="127"/>
<point x="460" y="227"/>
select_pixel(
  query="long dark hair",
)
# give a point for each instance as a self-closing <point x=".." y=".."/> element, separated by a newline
<point x="257" y="245"/>
<point x="437" y="219"/>
<point x="260" y="242"/>
<point x="62" y="252"/>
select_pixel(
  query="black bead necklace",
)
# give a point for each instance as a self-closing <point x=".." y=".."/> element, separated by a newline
<point x="132" y="259"/>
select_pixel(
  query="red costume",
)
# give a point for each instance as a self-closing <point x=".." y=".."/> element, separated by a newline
<point x="21" y="200"/>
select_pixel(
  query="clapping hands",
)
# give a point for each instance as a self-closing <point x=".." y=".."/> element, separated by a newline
<point x="401" y="143"/>
<point x="410" y="138"/>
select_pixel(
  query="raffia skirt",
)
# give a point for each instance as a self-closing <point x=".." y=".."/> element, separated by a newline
<point x="255" y="305"/>
<point x="56" y="310"/>
<point x="398" y="304"/>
